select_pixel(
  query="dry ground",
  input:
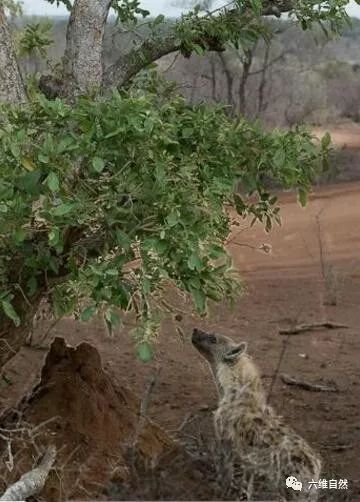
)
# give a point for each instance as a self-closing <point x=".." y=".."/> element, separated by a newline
<point x="312" y="274"/>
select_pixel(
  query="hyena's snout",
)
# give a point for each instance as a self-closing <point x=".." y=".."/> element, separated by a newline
<point x="199" y="337"/>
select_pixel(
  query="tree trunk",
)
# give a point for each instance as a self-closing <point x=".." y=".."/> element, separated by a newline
<point x="83" y="62"/>
<point x="12" y="337"/>
<point x="128" y="65"/>
<point x="247" y="62"/>
<point x="229" y="82"/>
<point x="213" y="78"/>
<point x="11" y="84"/>
<point x="261" y="94"/>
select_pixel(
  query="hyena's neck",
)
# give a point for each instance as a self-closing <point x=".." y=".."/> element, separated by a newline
<point x="240" y="385"/>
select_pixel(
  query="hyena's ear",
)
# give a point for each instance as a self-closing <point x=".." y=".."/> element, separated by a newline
<point x="235" y="352"/>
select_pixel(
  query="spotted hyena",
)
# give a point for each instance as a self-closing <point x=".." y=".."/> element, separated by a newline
<point x="256" y="450"/>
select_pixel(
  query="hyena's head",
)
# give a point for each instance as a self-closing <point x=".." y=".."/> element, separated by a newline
<point x="228" y="359"/>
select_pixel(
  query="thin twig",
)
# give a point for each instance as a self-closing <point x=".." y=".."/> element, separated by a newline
<point x="172" y="63"/>
<point x="189" y="417"/>
<point x="143" y="414"/>
<point x="39" y="344"/>
<point x="277" y="369"/>
<point x="69" y="457"/>
<point x="321" y="246"/>
<point x="45" y="422"/>
<point x="5" y="342"/>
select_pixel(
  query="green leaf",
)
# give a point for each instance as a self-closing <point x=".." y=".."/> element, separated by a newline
<point x="240" y="206"/>
<point x="216" y="251"/>
<point x="195" y="262"/>
<point x="279" y="158"/>
<point x="44" y="159"/>
<point x="20" y="235"/>
<point x="173" y="218"/>
<point x="52" y="182"/>
<point x="146" y="285"/>
<point x="32" y="286"/>
<point x="54" y="236"/>
<point x="88" y="313"/>
<point x="303" y="196"/>
<point x="326" y="140"/>
<point x="29" y="182"/>
<point x="268" y="224"/>
<point x="113" y="318"/>
<point x="28" y="164"/>
<point x="187" y="132"/>
<point x="6" y="379"/>
<point x="214" y="295"/>
<point x="159" y="246"/>
<point x="114" y="133"/>
<point x="112" y="321"/>
<point x="98" y="164"/>
<point x="112" y="272"/>
<point x="304" y="24"/>
<point x="256" y="6"/>
<point x="145" y="352"/>
<point x="199" y="299"/>
<point x="158" y="20"/>
<point x="198" y="49"/>
<point x="62" y="209"/>
<point x="123" y="239"/>
<point x="10" y="312"/>
<point x="15" y="150"/>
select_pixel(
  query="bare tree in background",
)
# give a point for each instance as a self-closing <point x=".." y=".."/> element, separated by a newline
<point x="228" y="72"/>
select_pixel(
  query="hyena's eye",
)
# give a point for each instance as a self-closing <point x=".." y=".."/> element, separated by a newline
<point x="212" y="339"/>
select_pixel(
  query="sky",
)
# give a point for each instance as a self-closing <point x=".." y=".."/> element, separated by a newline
<point x="154" y="6"/>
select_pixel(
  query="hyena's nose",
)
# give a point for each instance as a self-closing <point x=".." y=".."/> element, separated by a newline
<point x="197" y="335"/>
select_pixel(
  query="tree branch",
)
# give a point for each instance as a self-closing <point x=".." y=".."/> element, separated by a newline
<point x="154" y="48"/>
<point x="84" y="46"/>
<point x="11" y="84"/>
<point x="128" y="65"/>
<point x="269" y="63"/>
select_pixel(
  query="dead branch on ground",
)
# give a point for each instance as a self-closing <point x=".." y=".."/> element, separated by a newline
<point x="302" y="328"/>
<point x="32" y="482"/>
<point x="307" y="385"/>
<point x="338" y="447"/>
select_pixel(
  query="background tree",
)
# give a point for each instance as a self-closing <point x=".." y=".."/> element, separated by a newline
<point x="112" y="187"/>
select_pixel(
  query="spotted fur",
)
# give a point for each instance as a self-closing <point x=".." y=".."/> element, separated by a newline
<point x="256" y="449"/>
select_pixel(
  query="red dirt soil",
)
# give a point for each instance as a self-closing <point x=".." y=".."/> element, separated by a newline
<point x="311" y="275"/>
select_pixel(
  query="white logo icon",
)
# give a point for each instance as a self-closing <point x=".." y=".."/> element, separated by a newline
<point x="292" y="482"/>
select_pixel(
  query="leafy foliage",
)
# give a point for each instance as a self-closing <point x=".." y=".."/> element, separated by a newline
<point x="35" y="39"/>
<point x="127" y="11"/>
<point x="106" y="202"/>
<point x="241" y="23"/>
<point x="199" y="33"/>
